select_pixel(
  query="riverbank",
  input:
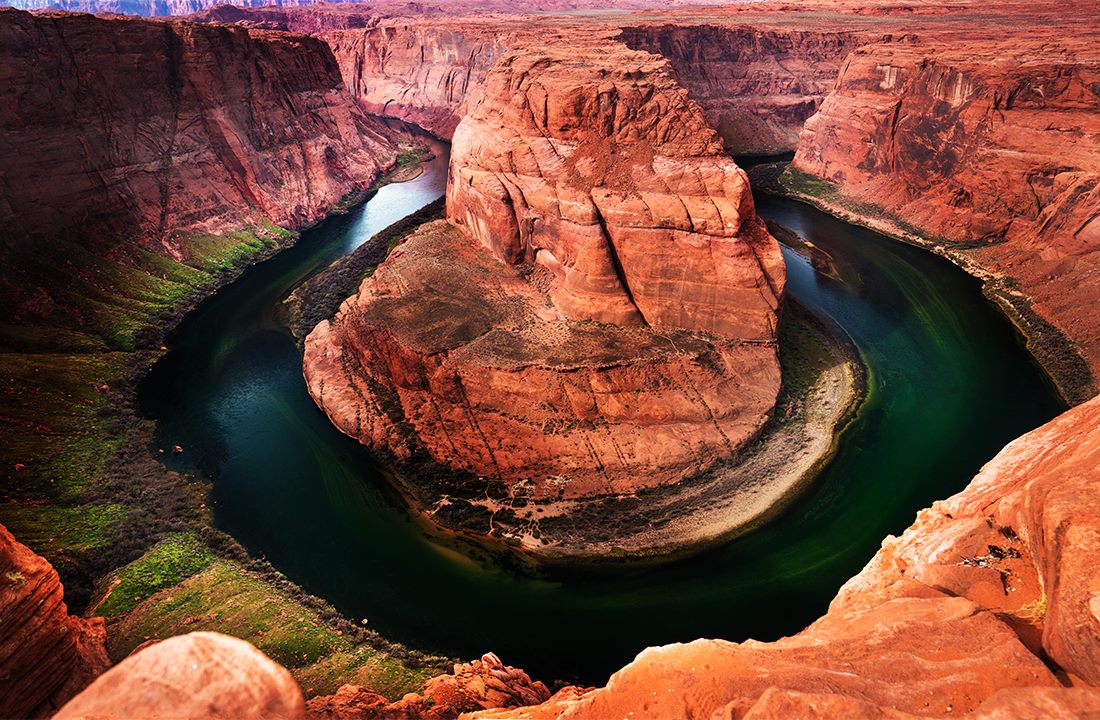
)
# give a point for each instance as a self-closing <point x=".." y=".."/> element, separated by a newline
<point x="85" y="487"/>
<point x="1055" y="353"/>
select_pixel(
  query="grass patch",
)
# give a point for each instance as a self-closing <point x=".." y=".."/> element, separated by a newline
<point x="168" y="563"/>
<point x="227" y="599"/>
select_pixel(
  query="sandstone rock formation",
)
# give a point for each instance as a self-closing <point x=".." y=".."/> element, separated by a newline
<point x="193" y="129"/>
<point x="479" y="685"/>
<point x="600" y="317"/>
<point x="427" y="73"/>
<point x="196" y="676"/>
<point x="988" y="146"/>
<point x="954" y="618"/>
<point x="757" y="86"/>
<point x="46" y="655"/>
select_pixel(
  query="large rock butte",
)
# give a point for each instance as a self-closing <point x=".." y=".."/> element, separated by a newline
<point x="601" y="314"/>
<point x="46" y="655"/>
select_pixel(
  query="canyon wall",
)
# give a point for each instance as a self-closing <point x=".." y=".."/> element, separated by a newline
<point x="985" y="607"/>
<point x="426" y="73"/>
<point x="757" y="86"/>
<point x="991" y="149"/>
<point x="46" y="655"/>
<point x="154" y="135"/>
<point x="601" y="314"/>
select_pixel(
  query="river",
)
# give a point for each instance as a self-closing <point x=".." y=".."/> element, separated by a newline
<point x="949" y="383"/>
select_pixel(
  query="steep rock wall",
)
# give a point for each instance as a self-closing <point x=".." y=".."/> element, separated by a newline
<point x="992" y="149"/>
<point x="757" y="86"/>
<point x="46" y="655"/>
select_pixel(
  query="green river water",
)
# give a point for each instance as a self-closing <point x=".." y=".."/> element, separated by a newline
<point x="949" y="383"/>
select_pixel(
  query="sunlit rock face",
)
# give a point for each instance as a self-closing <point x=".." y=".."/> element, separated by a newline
<point x="195" y="676"/>
<point x="952" y="619"/>
<point x="46" y="654"/>
<point x="599" y="314"/>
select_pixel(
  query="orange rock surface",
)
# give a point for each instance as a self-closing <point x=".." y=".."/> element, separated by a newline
<point x="196" y="676"/>
<point x="953" y="618"/>
<point x="600" y="316"/>
<point x="46" y="655"/>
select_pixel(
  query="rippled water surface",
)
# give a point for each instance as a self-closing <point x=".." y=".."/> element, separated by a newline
<point x="949" y="384"/>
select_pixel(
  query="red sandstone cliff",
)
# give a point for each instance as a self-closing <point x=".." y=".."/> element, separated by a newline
<point x="122" y="136"/>
<point x="989" y="146"/>
<point x="423" y="72"/>
<point x="604" y="316"/>
<point x="46" y="655"/>
<point x="986" y="607"/>
<point x="757" y="86"/>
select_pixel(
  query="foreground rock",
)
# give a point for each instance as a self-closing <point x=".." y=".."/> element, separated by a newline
<point x="480" y="685"/>
<point x="950" y="619"/>
<point x="46" y="655"/>
<point x="599" y="318"/>
<point x="194" y="677"/>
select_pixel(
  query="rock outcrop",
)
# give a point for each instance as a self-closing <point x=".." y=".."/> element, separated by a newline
<point x="600" y="316"/>
<point x="479" y="685"/>
<point x="46" y="655"/>
<point x="198" y="676"/>
<point x="757" y="86"/>
<point x="985" y="607"/>
<point x="988" y="147"/>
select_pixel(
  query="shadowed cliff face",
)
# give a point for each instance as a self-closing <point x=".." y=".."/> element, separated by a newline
<point x="154" y="134"/>
<point x="46" y="655"/>
<point x="756" y="86"/>
<point x="992" y="148"/>
<point x="600" y="316"/>
<point x="952" y="618"/>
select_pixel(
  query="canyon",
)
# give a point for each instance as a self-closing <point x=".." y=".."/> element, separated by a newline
<point x="594" y="318"/>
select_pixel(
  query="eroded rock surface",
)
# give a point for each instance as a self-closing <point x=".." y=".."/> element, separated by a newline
<point x="198" y="676"/>
<point x="479" y="685"/>
<point x="988" y="146"/>
<point x="950" y="619"/>
<point x="600" y="315"/>
<point x="46" y="655"/>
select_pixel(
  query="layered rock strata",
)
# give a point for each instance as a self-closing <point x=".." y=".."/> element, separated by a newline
<point x="600" y="315"/>
<point x="990" y="150"/>
<point x="757" y="86"/>
<point x="46" y="655"/>
<point x="985" y="607"/>
<point x="191" y="128"/>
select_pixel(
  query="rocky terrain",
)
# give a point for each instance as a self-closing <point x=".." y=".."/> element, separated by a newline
<point x="46" y="654"/>
<point x="984" y="608"/>
<point x="544" y="338"/>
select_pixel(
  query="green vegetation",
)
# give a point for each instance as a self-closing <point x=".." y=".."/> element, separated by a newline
<point x="168" y="563"/>
<point x="227" y="599"/>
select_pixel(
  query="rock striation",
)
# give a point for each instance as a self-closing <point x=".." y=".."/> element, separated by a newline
<point x="600" y="314"/>
<point x="46" y="655"/>
<point x="985" y="607"/>
<point x="989" y="148"/>
<point x="193" y="128"/>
